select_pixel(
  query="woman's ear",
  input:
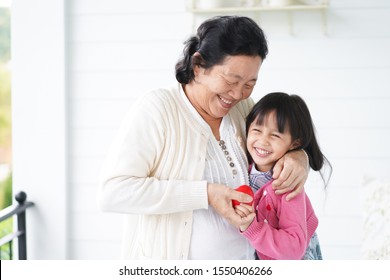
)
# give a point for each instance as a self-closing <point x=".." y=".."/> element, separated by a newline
<point x="197" y="62"/>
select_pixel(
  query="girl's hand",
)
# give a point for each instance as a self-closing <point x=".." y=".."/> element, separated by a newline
<point x="220" y="198"/>
<point x="247" y="215"/>
<point x="290" y="173"/>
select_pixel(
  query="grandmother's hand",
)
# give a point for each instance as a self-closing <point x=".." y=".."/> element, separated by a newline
<point x="290" y="173"/>
<point x="220" y="198"/>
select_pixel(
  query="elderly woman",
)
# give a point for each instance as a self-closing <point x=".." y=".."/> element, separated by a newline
<point x="180" y="152"/>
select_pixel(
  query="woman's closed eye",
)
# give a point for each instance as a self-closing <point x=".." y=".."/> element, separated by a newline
<point x="249" y="86"/>
<point x="230" y="83"/>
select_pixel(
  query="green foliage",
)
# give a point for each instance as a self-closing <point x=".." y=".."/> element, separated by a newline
<point x="5" y="79"/>
<point x="6" y="250"/>
<point x="5" y="88"/>
<point x="6" y="192"/>
<point x="6" y="226"/>
<point x="5" y="31"/>
<point x="5" y="107"/>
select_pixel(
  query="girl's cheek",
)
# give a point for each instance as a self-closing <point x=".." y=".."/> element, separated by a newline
<point x="251" y="138"/>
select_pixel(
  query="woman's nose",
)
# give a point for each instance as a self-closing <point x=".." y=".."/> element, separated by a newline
<point x="236" y="93"/>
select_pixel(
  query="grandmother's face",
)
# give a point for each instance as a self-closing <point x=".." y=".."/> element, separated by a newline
<point x="223" y="86"/>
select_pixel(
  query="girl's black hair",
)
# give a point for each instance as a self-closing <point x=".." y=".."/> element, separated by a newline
<point x="217" y="38"/>
<point x="292" y="113"/>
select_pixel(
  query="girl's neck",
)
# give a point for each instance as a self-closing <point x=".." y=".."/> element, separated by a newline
<point x="262" y="169"/>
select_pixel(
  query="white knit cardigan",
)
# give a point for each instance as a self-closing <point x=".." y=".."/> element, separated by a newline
<point x="153" y="173"/>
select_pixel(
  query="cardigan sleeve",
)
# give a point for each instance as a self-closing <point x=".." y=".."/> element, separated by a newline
<point x="129" y="181"/>
<point x="280" y="230"/>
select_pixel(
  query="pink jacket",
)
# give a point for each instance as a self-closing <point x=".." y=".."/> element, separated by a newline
<point x="282" y="229"/>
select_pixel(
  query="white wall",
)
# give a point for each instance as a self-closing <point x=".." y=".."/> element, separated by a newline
<point x="116" y="50"/>
<point x="343" y="75"/>
<point x="39" y="123"/>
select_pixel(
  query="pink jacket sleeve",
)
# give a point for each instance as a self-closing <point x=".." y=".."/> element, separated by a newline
<point x="280" y="230"/>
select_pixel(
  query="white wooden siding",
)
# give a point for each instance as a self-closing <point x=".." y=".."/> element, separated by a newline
<point x="119" y="49"/>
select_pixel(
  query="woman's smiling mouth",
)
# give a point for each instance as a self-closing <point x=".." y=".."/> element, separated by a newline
<point x="225" y="102"/>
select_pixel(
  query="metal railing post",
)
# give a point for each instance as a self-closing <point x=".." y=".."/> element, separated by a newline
<point x="19" y="211"/>
<point x="21" y="217"/>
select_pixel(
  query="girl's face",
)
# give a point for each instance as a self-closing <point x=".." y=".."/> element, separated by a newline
<point x="266" y="144"/>
<point x="221" y="87"/>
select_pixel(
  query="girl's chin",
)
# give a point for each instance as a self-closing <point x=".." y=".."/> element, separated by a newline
<point x="265" y="165"/>
<point x="263" y="158"/>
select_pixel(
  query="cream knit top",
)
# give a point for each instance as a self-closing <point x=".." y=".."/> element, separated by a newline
<point x="212" y="236"/>
<point x="154" y="173"/>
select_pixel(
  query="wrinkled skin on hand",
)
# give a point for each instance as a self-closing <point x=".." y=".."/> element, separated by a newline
<point x="290" y="173"/>
<point x="220" y="198"/>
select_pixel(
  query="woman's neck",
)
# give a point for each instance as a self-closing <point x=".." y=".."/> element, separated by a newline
<point x="214" y="123"/>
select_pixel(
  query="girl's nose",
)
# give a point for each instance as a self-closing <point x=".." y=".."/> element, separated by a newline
<point x="263" y="140"/>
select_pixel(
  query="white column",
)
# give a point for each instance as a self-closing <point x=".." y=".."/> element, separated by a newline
<point x="40" y="121"/>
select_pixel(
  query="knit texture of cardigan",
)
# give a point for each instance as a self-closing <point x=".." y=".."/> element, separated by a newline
<point x="282" y="229"/>
<point x="153" y="173"/>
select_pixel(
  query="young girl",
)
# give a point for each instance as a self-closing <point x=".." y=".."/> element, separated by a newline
<point x="280" y="229"/>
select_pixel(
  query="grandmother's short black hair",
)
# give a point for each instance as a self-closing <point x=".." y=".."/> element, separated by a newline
<point x="217" y="38"/>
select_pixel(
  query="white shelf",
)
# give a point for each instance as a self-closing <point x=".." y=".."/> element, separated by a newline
<point x="259" y="9"/>
<point x="295" y="6"/>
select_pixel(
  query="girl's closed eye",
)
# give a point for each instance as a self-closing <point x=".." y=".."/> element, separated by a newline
<point x="256" y="130"/>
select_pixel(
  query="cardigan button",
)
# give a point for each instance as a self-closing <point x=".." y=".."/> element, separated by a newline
<point x="265" y="221"/>
<point x="265" y="193"/>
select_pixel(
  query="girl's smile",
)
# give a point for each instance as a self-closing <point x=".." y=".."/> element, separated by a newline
<point x="266" y="144"/>
<point x="262" y="153"/>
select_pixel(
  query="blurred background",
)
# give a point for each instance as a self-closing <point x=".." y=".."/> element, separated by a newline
<point x="74" y="67"/>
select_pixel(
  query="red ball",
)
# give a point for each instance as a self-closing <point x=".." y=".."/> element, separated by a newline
<point x="245" y="189"/>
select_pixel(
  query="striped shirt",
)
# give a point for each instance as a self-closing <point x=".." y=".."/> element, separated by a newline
<point x="257" y="179"/>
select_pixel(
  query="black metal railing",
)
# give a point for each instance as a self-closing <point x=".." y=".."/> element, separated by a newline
<point x="20" y="211"/>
